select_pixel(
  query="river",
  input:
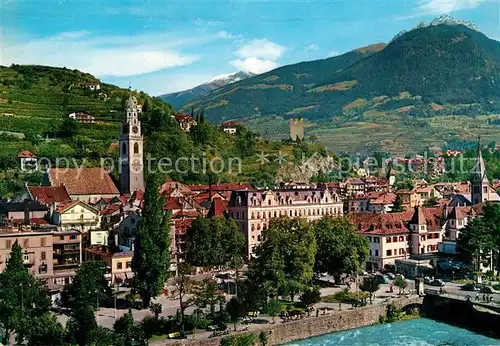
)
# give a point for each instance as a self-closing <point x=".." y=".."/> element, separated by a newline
<point x="417" y="332"/>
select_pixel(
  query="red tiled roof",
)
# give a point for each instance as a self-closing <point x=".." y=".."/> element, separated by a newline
<point x="218" y="207"/>
<point x="181" y="116"/>
<point x="222" y="187"/>
<point x="49" y="194"/>
<point x="172" y="203"/>
<point x="392" y="223"/>
<point x="61" y="208"/>
<point x="186" y="213"/>
<point x="229" y="123"/>
<point x="170" y="186"/>
<point x="181" y="226"/>
<point x="83" y="181"/>
<point x="111" y="209"/>
<point x="386" y="198"/>
<point x="25" y="154"/>
<point x="33" y="221"/>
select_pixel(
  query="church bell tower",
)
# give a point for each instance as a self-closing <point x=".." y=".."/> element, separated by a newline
<point x="479" y="181"/>
<point x="131" y="150"/>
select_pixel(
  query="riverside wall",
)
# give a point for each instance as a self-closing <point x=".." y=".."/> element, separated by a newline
<point x="281" y="333"/>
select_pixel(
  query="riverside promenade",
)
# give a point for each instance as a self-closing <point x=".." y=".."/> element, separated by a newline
<point x="284" y="332"/>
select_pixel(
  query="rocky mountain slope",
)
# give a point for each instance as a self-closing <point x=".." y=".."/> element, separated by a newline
<point x="440" y="68"/>
<point x="180" y="98"/>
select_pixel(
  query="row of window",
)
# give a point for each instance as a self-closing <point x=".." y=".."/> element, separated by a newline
<point x="394" y="252"/>
<point x="396" y="239"/>
<point x="291" y="213"/>
<point x="119" y="265"/>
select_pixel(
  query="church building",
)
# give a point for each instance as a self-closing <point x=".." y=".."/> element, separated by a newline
<point x="131" y="150"/>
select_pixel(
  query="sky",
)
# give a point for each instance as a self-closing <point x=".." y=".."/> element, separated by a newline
<point x="166" y="46"/>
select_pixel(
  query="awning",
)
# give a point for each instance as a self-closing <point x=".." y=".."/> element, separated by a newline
<point x="120" y="277"/>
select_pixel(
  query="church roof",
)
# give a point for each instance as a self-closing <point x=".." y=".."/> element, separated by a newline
<point x="83" y="181"/>
<point x="479" y="168"/>
<point x="418" y="217"/>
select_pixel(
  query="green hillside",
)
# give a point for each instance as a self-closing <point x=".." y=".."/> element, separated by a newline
<point x="35" y="103"/>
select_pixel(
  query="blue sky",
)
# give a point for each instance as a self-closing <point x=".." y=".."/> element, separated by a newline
<point x="165" y="46"/>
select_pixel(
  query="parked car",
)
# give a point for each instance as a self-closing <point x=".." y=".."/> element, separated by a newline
<point x="391" y="276"/>
<point x="382" y="279"/>
<point x="437" y="282"/>
<point x="469" y="287"/>
<point x="427" y="280"/>
<point x="487" y="290"/>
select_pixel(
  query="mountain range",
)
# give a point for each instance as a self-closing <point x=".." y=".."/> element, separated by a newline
<point x="445" y="67"/>
<point x="180" y="98"/>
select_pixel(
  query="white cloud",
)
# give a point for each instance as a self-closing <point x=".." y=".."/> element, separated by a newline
<point x="312" y="48"/>
<point x="254" y="64"/>
<point x="258" y="56"/>
<point x="333" y="53"/>
<point x="101" y="56"/>
<point x="262" y="49"/>
<point x="437" y="7"/>
<point x="447" y="6"/>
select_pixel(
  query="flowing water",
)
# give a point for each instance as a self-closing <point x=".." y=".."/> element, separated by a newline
<point x="417" y="332"/>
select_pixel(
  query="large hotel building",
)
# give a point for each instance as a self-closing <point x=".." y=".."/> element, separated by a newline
<point x="253" y="209"/>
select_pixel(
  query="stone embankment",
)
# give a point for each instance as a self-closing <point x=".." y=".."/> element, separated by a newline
<point x="281" y="333"/>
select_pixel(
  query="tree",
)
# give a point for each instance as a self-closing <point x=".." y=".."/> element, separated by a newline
<point x="340" y="248"/>
<point x="401" y="283"/>
<point x="69" y="128"/>
<point x="398" y="204"/>
<point x="145" y="106"/>
<point x="151" y="261"/>
<point x="156" y="309"/>
<point x="183" y="286"/>
<point x="88" y="288"/>
<point x="22" y="298"/>
<point x="370" y="285"/>
<point x="202" y="116"/>
<point x="212" y="242"/>
<point x="80" y="325"/>
<point x="236" y="309"/>
<point x="481" y="237"/>
<point x="284" y="259"/>
<point x="431" y="202"/>
<point x="273" y="308"/>
<point x="311" y="296"/>
<point x="44" y="330"/>
<point x="130" y="332"/>
<point x="207" y="295"/>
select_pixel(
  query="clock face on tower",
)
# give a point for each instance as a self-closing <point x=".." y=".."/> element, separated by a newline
<point x="136" y="165"/>
<point x="135" y="129"/>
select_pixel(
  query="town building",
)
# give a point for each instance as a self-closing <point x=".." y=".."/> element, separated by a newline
<point x="253" y="209"/>
<point x="25" y="212"/>
<point x="229" y="127"/>
<point x="131" y="151"/>
<point x="76" y="215"/>
<point x="67" y="255"/>
<point x="119" y="263"/>
<point x="28" y="161"/>
<point x="47" y="195"/>
<point x="84" y="184"/>
<point x="399" y="235"/>
<point x="185" y="121"/>
<point x="409" y="199"/>
<point x="36" y="246"/>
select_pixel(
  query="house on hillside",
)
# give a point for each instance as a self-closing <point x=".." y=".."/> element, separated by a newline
<point x="185" y="121"/>
<point x="28" y="161"/>
<point x="229" y="127"/>
<point x="82" y="118"/>
<point x="94" y="86"/>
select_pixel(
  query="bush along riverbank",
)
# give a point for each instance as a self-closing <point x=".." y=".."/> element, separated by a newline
<point x="394" y="314"/>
